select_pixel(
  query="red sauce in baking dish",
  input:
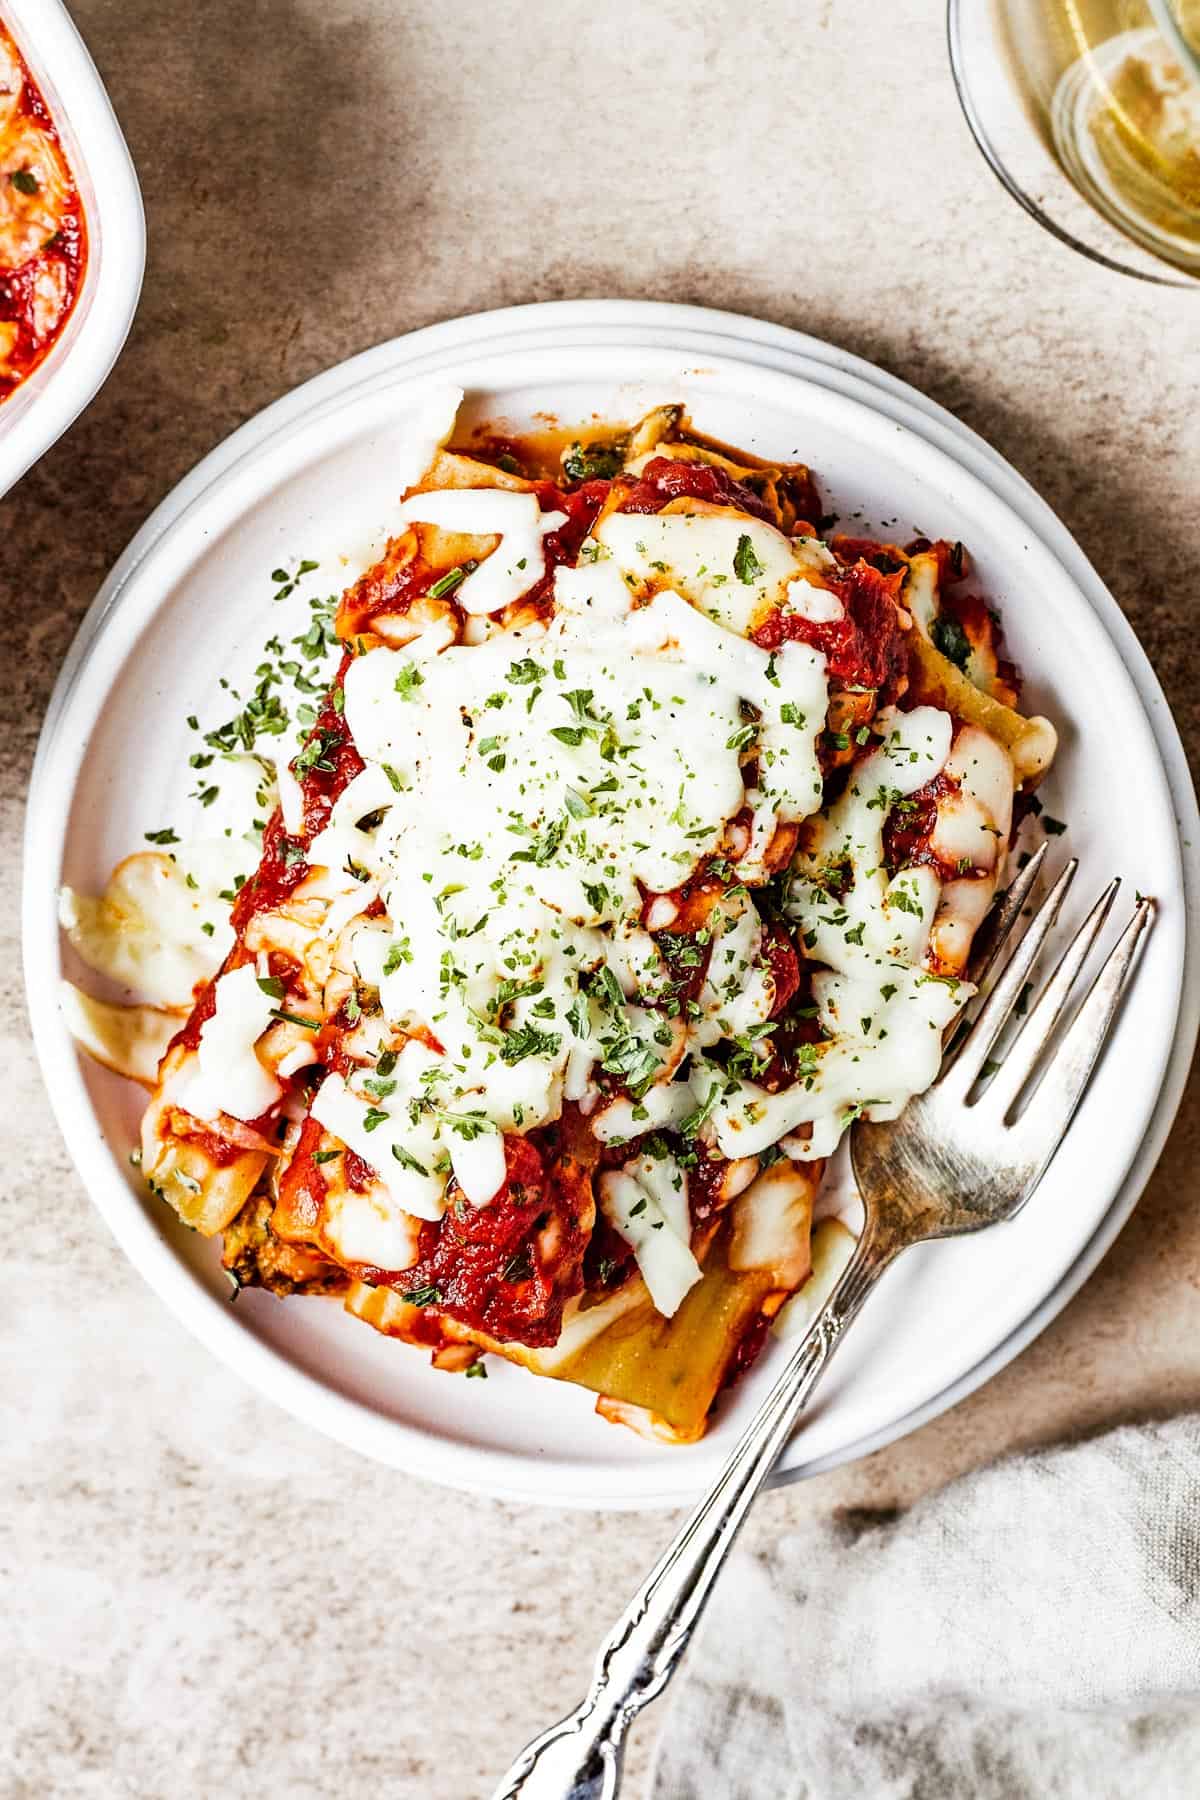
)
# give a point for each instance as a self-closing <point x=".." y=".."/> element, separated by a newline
<point x="43" y="235"/>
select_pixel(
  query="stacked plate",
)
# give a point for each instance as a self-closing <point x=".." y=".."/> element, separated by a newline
<point x="317" y="475"/>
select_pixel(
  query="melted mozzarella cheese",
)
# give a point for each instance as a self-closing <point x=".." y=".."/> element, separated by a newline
<point x="647" y="1204"/>
<point x="667" y="1104"/>
<point x="526" y="795"/>
<point x="883" y="1011"/>
<point x="786" y="691"/>
<point x="548" y="779"/>
<point x="228" y="1076"/>
<point x="291" y="797"/>
<point x="519" y="560"/>
<point x="478" y="1164"/>
<point x="734" y="568"/>
<point x="982" y="806"/>
<point x="369" y="1228"/>
<point x="816" y="604"/>
<point x="551" y="777"/>
<point x="390" y="1130"/>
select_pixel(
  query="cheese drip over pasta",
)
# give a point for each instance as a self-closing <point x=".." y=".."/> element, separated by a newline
<point x="498" y="882"/>
<point x="526" y="796"/>
<point x="522" y="798"/>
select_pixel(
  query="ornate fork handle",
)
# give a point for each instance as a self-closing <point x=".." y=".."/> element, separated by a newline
<point x="580" y="1757"/>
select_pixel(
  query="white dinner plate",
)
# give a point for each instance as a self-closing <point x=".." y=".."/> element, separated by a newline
<point x="317" y="476"/>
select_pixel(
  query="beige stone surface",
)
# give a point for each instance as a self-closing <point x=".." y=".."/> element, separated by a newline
<point x="201" y="1597"/>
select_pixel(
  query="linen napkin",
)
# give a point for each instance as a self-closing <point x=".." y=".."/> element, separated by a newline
<point x="1033" y="1630"/>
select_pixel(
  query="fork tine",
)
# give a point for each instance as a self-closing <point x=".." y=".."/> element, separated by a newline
<point x="1022" y="1057"/>
<point x="1061" y="1087"/>
<point x="1007" y="914"/>
<point x="964" y="1071"/>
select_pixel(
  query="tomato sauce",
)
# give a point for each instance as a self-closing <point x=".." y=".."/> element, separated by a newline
<point x="704" y="1186"/>
<point x="205" y="1006"/>
<point x="779" y="954"/>
<point x="581" y="505"/>
<point x="57" y="267"/>
<point x="333" y="762"/>
<point x="302" y="1186"/>
<point x="908" y="832"/>
<point x="747" y="1350"/>
<point x="388" y="586"/>
<point x="507" y="1268"/>
<point x="665" y="479"/>
<point x="865" y="648"/>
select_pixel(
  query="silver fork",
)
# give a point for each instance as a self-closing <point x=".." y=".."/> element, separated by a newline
<point x="964" y="1155"/>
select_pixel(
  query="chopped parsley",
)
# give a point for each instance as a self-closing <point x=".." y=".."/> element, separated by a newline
<point x="286" y="583"/>
<point x="746" y="565"/>
<point x="519" y="1267"/>
<point x="950" y="638"/>
<point x="319" y="751"/>
<point x="423" y="1296"/>
<point x="407" y="1160"/>
<point x="399" y="952"/>
<point x="291" y="1018"/>
<point x="528" y="1040"/>
<point x="543" y="847"/>
<point x="906" y="902"/>
<point x="592" y="462"/>
<point x="450" y="580"/>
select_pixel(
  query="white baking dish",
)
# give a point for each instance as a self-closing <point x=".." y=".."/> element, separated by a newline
<point x="60" y="387"/>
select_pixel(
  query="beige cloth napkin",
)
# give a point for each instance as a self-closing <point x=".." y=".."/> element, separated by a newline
<point x="1031" y="1631"/>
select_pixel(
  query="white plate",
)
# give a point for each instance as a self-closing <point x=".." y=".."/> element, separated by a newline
<point x="60" y="387"/>
<point x="316" y="474"/>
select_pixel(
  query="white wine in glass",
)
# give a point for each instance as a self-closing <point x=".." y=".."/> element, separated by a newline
<point x="1105" y="93"/>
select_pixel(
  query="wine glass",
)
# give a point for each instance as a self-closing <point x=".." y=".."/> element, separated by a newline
<point x="1088" y="111"/>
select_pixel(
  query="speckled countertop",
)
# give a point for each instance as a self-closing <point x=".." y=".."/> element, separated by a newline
<point x="199" y="1596"/>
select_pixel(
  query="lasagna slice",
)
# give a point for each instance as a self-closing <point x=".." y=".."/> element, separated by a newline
<point x="637" y="847"/>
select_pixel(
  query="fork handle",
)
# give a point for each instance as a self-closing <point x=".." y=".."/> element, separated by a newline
<point x="580" y="1757"/>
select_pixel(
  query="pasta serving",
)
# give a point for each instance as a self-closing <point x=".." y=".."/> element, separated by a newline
<point x="636" y="847"/>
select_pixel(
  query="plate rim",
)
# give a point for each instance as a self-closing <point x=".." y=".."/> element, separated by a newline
<point x="657" y="326"/>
